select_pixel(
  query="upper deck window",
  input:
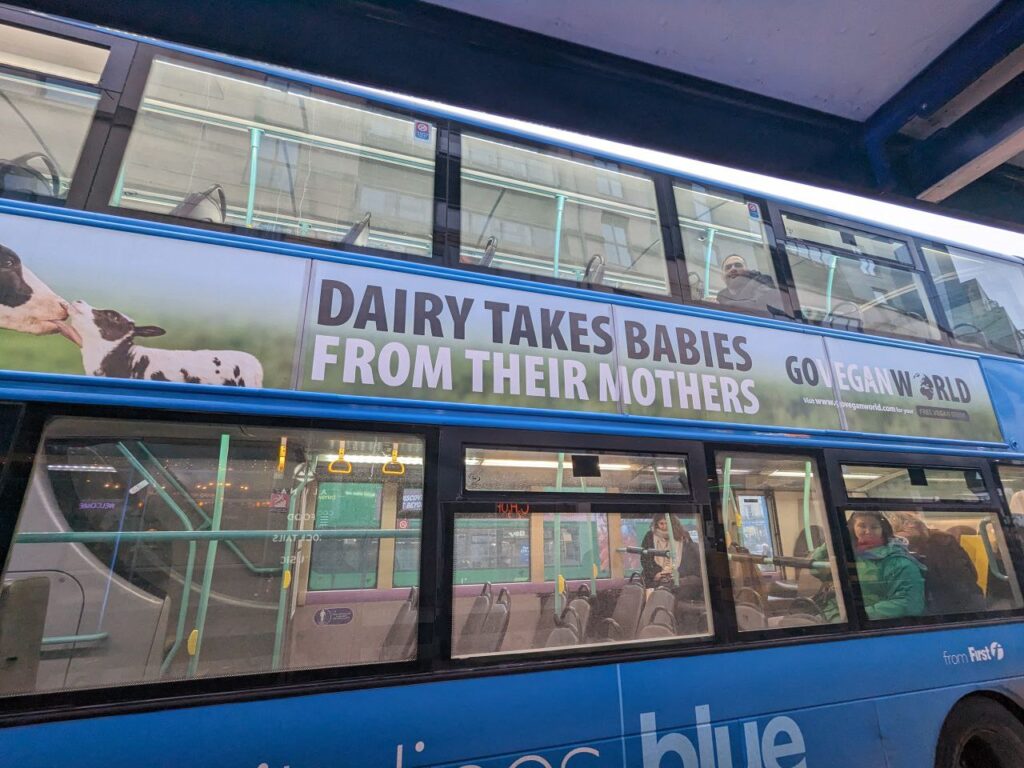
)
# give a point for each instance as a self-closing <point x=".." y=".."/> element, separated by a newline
<point x="981" y="296"/>
<point x="585" y="221"/>
<point x="44" y="122"/>
<point x="725" y="245"/>
<point x="856" y="281"/>
<point x="49" y="55"/>
<point x="844" y="238"/>
<point x="273" y="156"/>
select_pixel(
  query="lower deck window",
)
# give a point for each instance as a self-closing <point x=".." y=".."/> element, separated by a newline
<point x="931" y="563"/>
<point x="150" y="551"/>
<point x="533" y="578"/>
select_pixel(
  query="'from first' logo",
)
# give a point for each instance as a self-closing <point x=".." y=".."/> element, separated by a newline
<point x="992" y="652"/>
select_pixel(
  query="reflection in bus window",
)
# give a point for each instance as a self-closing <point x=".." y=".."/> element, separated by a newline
<point x="151" y="551"/>
<point x="781" y="562"/>
<point x="981" y="296"/>
<point x="586" y="221"/>
<point x="854" y="241"/>
<point x="273" y="156"/>
<point x="728" y="260"/>
<point x="531" y="581"/>
<point x="841" y="291"/>
<point x="917" y="483"/>
<point x="44" y="123"/>
<point x="545" y="471"/>
<point x="932" y="563"/>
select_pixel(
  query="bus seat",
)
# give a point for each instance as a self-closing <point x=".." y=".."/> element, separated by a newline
<point x="750" y="613"/>
<point x="975" y="549"/>
<point x="661" y="624"/>
<point x="496" y="623"/>
<point x="561" y="636"/>
<point x="359" y="234"/>
<point x="794" y="620"/>
<point x="22" y="618"/>
<point x="626" y="616"/>
<point x="472" y="630"/>
<point x="401" y="637"/>
<point x="209" y="205"/>
<point x="580" y="606"/>
<point x="661" y="601"/>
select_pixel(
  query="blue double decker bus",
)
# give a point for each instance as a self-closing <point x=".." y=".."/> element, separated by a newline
<point x="339" y="428"/>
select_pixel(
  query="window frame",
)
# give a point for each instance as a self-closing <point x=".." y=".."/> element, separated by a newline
<point x="109" y="89"/>
<point x="843" y="505"/>
<point x="783" y="279"/>
<point x="847" y="628"/>
<point x="99" y="198"/>
<point x="145" y="694"/>
<point x="928" y="293"/>
<point x="676" y="293"/>
<point x="950" y="337"/>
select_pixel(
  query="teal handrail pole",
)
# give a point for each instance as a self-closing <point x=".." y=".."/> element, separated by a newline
<point x="808" y="539"/>
<point x="727" y="496"/>
<point x="286" y="565"/>
<point x="169" y="476"/>
<point x="211" y="553"/>
<point x="255" y="138"/>
<point x="556" y="543"/>
<point x="559" y="212"/>
<point x="831" y="279"/>
<point x="190" y="561"/>
<point x="707" y="261"/>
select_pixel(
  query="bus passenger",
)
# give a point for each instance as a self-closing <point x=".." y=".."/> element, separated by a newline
<point x="745" y="288"/>
<point x="951" y="581"/>
<point x="658" y="569"/>
<point x="891" y="580"/>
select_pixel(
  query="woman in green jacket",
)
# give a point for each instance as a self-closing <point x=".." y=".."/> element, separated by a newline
<point x="891" y="579"/>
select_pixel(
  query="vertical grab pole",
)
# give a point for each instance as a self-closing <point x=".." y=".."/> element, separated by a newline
<point x="672" y="549"/>
<point x="255" y="137"/>
<point x="592" y="543"/>
<point x="559" y="211"/>
<point x="211" y="557"/>
<point x="286" y="574"/>
<point x="556" y="548"/>
<point x="727" y="496"/>
<point x="707" y="262"/>
<point x="831" y="279"/>
<point x="807" y="507"/>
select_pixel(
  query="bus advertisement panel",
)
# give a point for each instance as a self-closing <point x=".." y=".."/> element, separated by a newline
<point x="165" y="310"/>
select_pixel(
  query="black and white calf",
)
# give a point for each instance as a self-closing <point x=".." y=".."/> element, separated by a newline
<point x="109" y="349"/>
<point x="27" y="304"/>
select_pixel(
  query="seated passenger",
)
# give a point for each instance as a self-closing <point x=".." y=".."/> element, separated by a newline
<point x="746" y="288"/>
<point x="659" y="569"/>
<point x="891" y="580"/>
<point x="951" y="581"/>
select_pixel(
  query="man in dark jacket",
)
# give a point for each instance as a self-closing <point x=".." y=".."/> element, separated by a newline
<point x="746" y="288"/>
<point x="951" y="582"/>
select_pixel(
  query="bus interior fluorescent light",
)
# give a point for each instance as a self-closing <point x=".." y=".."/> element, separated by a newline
<point x="80" y="468"/>
<point x="789" y="473"/>
<point x="857" y="476"/>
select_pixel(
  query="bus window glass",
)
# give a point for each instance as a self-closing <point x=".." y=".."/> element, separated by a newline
<point x="728" y="260"/>
<point x="529" y="578"/>
<point x="545" y="471"/>
<point x="1012" y="478"/>
<point x="859" y="294"/>
<point x="585" y="221"/>
<point x="839" y="236"/>
<point x="273" y="156"/>
<point x="915" y="483"/>
<point x="781" y="563"/>
<point x="981" y="296"/>
<point x="48" y="55"/>
<point x="931" y="563"/>
<point x="150" y="551"/>
<point x="44" y="122"/>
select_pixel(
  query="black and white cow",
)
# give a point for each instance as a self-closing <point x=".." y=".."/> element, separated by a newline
<point x="109" y="349"/>
<point x="27" y="304"/>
